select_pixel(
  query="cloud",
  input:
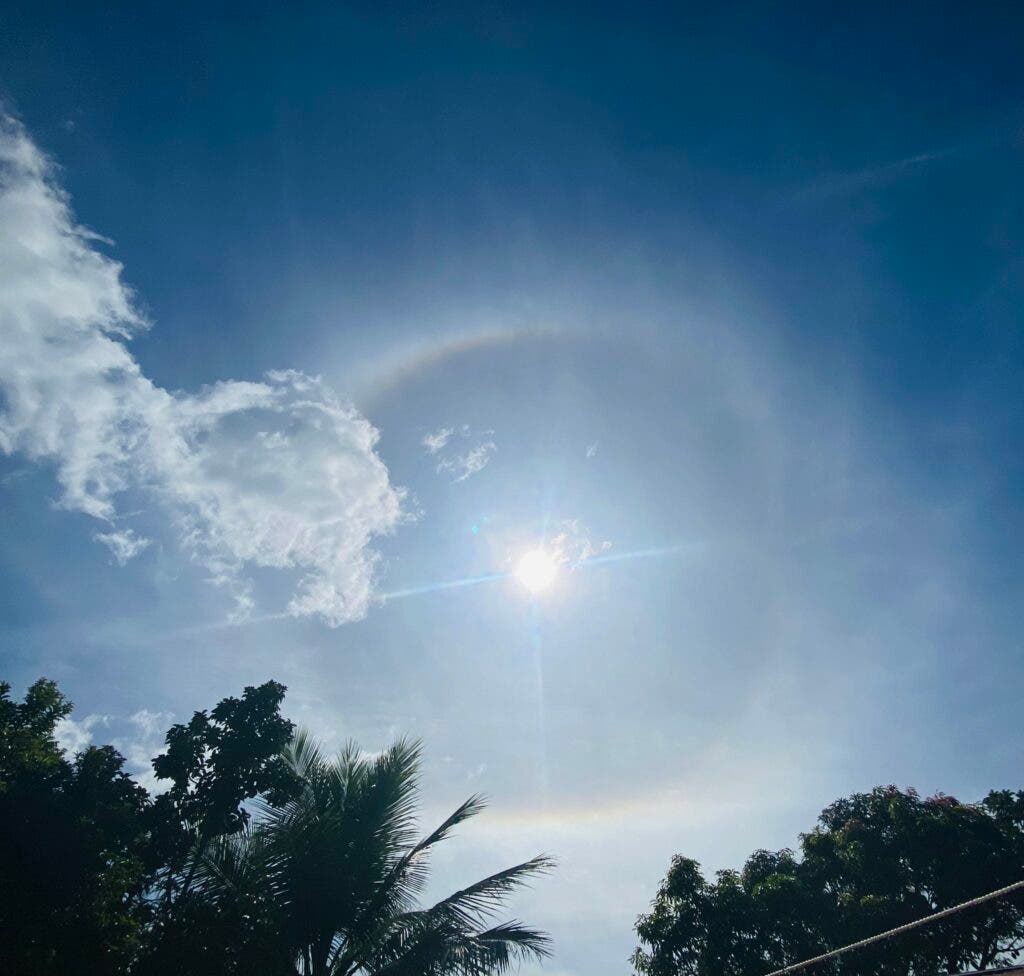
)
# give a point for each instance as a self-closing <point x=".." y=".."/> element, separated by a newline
<point x="842" y="184"/>
<point x="143" y="743"/>
<point x="74" y="737"/>
<point x="277" y="473"/>
<point x="144" y="739"/>
<point x="463" y="466"/>
<point x="467" y="463"/>
<point x="434" y="442"/>
<point x="476" y="773"/>
<point x="124" y="545"/>
<point x="573" y="544"/>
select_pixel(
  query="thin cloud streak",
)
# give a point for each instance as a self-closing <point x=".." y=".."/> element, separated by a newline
<point x="834" y="185"/>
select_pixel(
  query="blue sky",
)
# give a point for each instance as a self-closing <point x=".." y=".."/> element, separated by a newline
<point x="721" y="306"/>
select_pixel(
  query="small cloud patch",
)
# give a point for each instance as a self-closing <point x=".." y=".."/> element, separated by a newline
<point x="460" y="464"/>
<point x="573" y="543"/>
<point x="123" y="546"/>
<point x="432" y="443"/>
<point x="74" y="737"/>
<point x="463" y="466"/>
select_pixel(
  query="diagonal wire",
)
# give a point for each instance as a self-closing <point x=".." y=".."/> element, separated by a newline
<point x="998" y="893"/>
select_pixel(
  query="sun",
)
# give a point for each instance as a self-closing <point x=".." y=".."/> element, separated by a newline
<point x="536" y="570"/>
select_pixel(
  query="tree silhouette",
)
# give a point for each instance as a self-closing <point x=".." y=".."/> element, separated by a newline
<point x="262" y="855"/>
<point x="874" y="861"/>
<point x="327" y="883"/>
<point x="73" y="846"/>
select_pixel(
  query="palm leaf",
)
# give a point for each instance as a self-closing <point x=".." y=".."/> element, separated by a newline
<point x="482" y="900"/>
<point x="330" y="879"/>
<point x="407" y="878"/>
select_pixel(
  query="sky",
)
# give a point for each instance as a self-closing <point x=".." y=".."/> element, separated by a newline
<point x="314" y="322"/>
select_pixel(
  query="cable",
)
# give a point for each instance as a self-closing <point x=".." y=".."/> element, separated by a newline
<point x="1016" y="886"/>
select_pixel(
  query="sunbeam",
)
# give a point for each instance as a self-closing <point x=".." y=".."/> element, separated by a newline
<point x="533" y="576"/>
<point x="446" y="585"/>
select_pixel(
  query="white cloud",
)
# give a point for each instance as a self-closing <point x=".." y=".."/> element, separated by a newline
<point x="467" y="463"/>
<point x="278" y="473"/>
<point x="143" y="740"/>
<point x="437" y="440"/>
<point x="151" y="724"/>
<point x="573" y="544"/>
<point x="476" y="773"/>
<point x="146" y="740"/>
<point x="123" y="545"/>
<point x="74" y="736"/>
<point x="463" y="466"/>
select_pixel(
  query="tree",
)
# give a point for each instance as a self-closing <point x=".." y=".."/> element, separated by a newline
<point x="326" y="884"/>
<point x="874" y="861"/>
<point x="261" y="855"/>
<point x="72" y="846"/>
<point x="92" y="868"/>
<point x="215" y="763"/>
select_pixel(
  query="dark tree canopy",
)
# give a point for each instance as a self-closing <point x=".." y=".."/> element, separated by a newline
<point x="874" y="861"/>
<point x="214" y="763"/>
<point x="72" y="846"/>
<point x="226" y="756"/>
<point x="89" y="862"/>
<point x="328" y="884"/>
<point x="97" y="877"/>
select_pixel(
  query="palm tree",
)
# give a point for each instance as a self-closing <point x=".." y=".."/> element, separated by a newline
<point x="327" y="884"/>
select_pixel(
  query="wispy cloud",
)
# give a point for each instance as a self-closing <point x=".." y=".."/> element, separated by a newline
<point x="437" y="440"/>
<point x="277" y="473"/>
<point x="842" y="184"/>
<point x="460" y="464"/>
<point x="476" y="773"/>
<point x="463" y="466"/>
<point x="573" y="543"/>
<point x="124" y="545"/>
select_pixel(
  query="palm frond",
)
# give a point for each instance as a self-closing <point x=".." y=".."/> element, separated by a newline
<point x="407" y="878"/>
<point x="496" y="948"/>
<point x="236" y="868"/>
<point x="480" y="901"/>
<point x="331" y="879"/>
<point x="441" y="948"/>
<point x="303" y="754"/>
<point x="518" y="936"/>
<point x="469" y="808"/>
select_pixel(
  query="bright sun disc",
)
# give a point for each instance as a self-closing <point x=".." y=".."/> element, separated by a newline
<point x="536" y="570"/>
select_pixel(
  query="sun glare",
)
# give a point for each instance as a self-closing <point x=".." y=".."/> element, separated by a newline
<point x="536" y="570"/>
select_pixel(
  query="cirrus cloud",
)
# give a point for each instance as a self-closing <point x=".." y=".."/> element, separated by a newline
<point x="124" y="545"/>
<point x="573" y="543"/>
<point x="460" y="465"/>
<point x="463" y="466"/>
<point x="278" y="473"/>
<point x="433" y="442"/>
